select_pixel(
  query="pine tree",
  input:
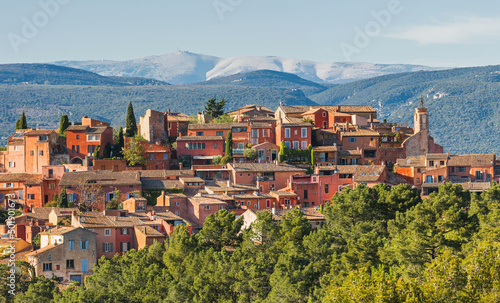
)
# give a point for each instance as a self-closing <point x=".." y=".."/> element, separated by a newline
<point x="62" y="201"/>
<point x="130" y="123"/>
<point x="107" y="151"/>
<point x="63" y="125"/>
<point x="214" y="108"/>
<point x="229" y="145"/>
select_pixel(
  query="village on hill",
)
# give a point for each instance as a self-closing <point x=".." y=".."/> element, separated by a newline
<point x="105" y="191"/>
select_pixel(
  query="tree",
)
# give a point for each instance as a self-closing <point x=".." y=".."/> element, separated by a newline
<point x="226" y="118"/>
<point x="18" y="124"/>
<point x="283" y="152"/>
<point x="221" y="229"/>
<point x="216" y="160"/>
<point x="250" y="154"/>
<point x="24" y="123"/>
<point x="115" y="202"/>
<point x="62" y="201"/>
<point x="96" y="152"/>
<point x="63" y="125"/>
<point x="42" y="290"/>
<point x="120" y="143"/>
<point x="214" y="108"/>
<point x="135" y="152"/>
<point x="89" y="194"/>
<point x="130" y="122"/>
<point x="107" y="151"/>
<point x="229" y="145"/>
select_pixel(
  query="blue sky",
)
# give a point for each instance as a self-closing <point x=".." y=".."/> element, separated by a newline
<point x="436" y="33"/>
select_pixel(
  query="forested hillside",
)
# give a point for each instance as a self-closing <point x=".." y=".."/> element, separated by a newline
<point x="378" y="244"/>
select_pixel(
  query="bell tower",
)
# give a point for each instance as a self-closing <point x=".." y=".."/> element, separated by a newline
<point x="421" y="128"/>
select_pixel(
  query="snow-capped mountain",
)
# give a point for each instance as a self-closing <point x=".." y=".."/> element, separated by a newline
<point x="185" y="67"/>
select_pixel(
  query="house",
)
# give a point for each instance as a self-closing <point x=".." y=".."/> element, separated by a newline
<point x="266" y="176"/>
<point x="294" y="135"/>
<point x="325" y="155"/>
<point x="200" y="149"/>
<point x="266" y="152"/>
<point x="13" y="187"/>
<point x="97" y="188"/>
<point x="83" y="139"/>
<point x="40" y="191"/>
<point x="66" y="253"/>
<point x="312" y="215"/>
<point x="29" y="150"/>
<point x="153" y="126"/>
<point x="249" y="111"/>
<point x="313" y="190"/>
<point x="212" y="172"/>
<point x="177" y="124"/>
<point x="255" y="200"/>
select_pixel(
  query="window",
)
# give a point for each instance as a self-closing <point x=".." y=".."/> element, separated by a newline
<point x="324" y="124"/>
<point x="160" y="118"/>
<point x="327" y="189"/>
<point x="303" y="144"/>
<point x="287" y="144"/>
<point x="306" y="195"/>
<point x="268" y="203"/>
<point x="107" y="247"/>
<point x="124" y="231"/>
<point x="207" y="207"/>
<point x="31" y="196"/>
<point x="84" y="244"/>
<point x="84" y="265"/>
<point x="429" y="179"/>
<point x="71" y="244"/>
<point x="151" y="156"/>
<point x="324" y="114"/>
<point x="440" y="178"/>
<point x="177" y="203"/>
<point x="9" y="184"/>
<point x="78" y="148"/>
<point x="479" y="175"/>
<point x="352" y="140"/>
<point x="418" y="170"/>
<point x="43" y="138"/>
<point x="70" y="263"/>
<point x="40" y="152"/>
<point x="178" y="213"/>
<point x="32" y="152"/>
<point x="16" y="148"/>
<point x="255" y="133"/>
<point x="287" y="201"/>
<point x="431" y="163"/>
<point x="215" y="145"/>
<point x="125" y="246"/>
<point x="295" y="144"/>
<point x="441" y="162"/>
<point x="303" y="132"/>
<point x="221" y="207"/>
<point x="107" y="232"/>
<point x="199" y="134"/>
<point x="461" y="169"/>
<point x="254" y="141"/>
<point x="219" y="133"/>
<point x="452" y="169"/>
<point x="72" y="148"/>
<point x="140" y="206"/>
<point x="287" y="133"/>
<point x="77" y="137"/>
<point x="265" y="133"/>
<point x="47" y="266"/>
<point x="12" y="164"/>
<point x="52" y="186"/>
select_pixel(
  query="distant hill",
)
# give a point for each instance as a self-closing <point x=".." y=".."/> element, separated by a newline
<point x="48" y="74"/>
<point x="463" y="103"/>
<point x="185" y="67"/>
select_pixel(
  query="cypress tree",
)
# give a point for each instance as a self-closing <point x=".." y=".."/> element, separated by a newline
<point x="229" y="145"/>
<point x="96" y="152"/>
<point x="62" y="201"/>
<point x="107" y="150"/>
<point x="130" y="123"/>
<point x="23" y="124"/>
<point x="18" y="124"/>
<point x="63" y="124"/>
<point x="121" y="143"/>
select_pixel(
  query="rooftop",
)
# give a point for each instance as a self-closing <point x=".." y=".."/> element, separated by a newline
<point x="265" y="167"/>
<point x="104" y="178"/>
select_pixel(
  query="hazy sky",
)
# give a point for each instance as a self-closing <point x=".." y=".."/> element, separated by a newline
<point x="436" y="33"/>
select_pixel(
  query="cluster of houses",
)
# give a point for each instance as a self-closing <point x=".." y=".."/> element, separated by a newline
<point x="181" y="184"/>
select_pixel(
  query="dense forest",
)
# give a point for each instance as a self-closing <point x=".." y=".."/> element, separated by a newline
<point x="378" y="244"/>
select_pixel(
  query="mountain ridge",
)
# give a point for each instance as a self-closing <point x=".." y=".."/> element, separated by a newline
<point x="185" y="67"/>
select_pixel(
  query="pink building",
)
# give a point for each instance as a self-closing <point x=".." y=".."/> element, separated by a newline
<point x="201" y="149"/>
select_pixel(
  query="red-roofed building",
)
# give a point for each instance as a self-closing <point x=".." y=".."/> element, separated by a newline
<point x="82" y="140"/>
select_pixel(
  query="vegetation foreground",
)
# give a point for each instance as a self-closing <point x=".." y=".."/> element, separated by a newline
<point x="378" y="244"/>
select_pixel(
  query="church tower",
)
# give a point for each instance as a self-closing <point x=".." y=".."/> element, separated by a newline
<point x="421" y="128"/>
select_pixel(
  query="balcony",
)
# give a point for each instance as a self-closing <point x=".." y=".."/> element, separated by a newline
<point x="238" y="150"/>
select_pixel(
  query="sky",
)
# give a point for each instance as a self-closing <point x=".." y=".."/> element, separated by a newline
<point x="441" y="33"/>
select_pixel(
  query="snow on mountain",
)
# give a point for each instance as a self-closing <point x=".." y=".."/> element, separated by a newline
<point x="185" y="67"/>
